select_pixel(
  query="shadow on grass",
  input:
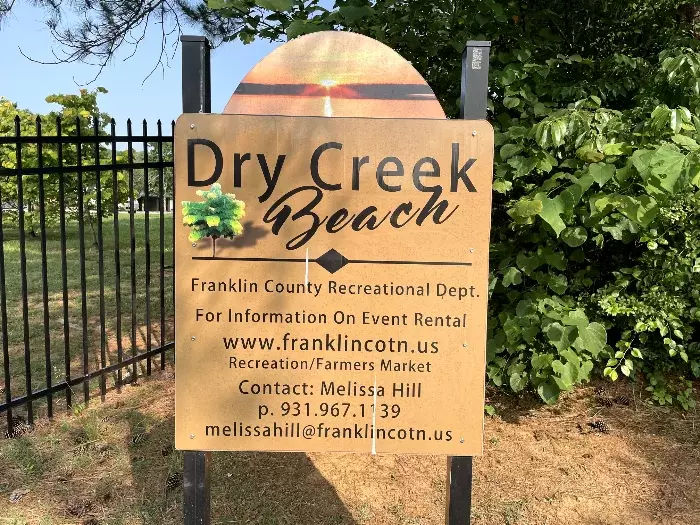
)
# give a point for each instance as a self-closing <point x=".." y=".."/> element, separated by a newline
<point x="273" y="488"/>
<point x="246" y="487"/>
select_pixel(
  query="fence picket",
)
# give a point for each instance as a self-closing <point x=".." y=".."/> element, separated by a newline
<point x="147" y="227"/>
<point x="117" y="269"/>
<point x="161" y="240"/>
<point x="100" y="263"/>
<point x="44" y="277"/>
<point x="83" y="285"/>
<point x="132" y="248"/>
<point x="3" y="320"/>
<point x="64" y="265"/>
<point x="23" y="276"/>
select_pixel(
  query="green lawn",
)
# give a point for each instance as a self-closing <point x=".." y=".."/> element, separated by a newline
<point x="15" y="332"/>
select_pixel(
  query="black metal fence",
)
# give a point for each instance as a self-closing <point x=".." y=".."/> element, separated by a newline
<point x="72" y="314"/>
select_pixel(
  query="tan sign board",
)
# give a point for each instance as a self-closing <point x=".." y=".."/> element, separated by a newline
<point x="338" y="301"/>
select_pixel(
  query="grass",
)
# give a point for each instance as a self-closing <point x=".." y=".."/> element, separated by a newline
<point x="87" y="468"/>
<point x="540" y="465"/>
<point x="88" y="462"/>
<point x="36" y="335"/>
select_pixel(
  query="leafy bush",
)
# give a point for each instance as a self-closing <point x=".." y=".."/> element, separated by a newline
<point x="599" y="260"/>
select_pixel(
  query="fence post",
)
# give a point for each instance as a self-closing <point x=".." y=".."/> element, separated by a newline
<point x="473" y="100"/>
<point x="196" y="98"/>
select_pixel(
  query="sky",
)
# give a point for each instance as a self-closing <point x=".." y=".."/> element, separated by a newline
<point x="158" y="97"/>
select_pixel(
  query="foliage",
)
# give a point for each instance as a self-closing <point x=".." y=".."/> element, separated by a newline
<point x="599" y="261"/>
<point x="218" y="215"/>
<point x="153" y="175"/>
<point x="75" y="109"/>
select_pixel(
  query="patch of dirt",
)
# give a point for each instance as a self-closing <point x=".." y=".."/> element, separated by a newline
<point x="541" y="465"/>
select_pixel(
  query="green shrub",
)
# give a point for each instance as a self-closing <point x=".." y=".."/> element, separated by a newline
<point x="596" y="245"/>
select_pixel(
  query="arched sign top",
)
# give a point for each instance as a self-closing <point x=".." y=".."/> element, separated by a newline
<point x="335" y="74"/>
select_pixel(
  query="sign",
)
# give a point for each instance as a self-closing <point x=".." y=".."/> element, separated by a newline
<point x="338" y="301"/>
<point x="335" y="74"/>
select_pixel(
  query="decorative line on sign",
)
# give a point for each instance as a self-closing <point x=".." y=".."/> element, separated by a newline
<point x="332" y="261"/>
<point x="254" y="259"/>
<point x="429" y="263"/>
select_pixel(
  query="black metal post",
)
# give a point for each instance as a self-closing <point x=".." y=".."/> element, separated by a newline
<point x="3" y="323"/>
<point x="475" y="80"/>
<point x="83" y="272"/>
<point x="196" y="98"/>
<point x="117" y="263"/>
<point x="197" y="488"/>
<point x="100" y="261"/>
<point x="64" y="267"/>
<point x="132" y="249"/>
<point x="473" y="100"/>
<point x="459" y="494"/>
<point x="196" y="76"/>
<point x="147" y="243"/>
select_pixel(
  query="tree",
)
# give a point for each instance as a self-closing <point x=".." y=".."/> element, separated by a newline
<point x="153" y="175"/>
<point x="217" y="216"/>
<point x="81" y="108"/>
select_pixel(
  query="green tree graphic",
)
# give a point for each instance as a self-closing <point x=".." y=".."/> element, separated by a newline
<point x="218" y="215"/>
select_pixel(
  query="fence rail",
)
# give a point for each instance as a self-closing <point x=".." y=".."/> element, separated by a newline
<point x="78" y="176"/>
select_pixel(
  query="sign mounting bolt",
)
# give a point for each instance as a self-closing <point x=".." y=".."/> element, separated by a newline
<point x="191" y="436"/>
<point x="474" y="133"/>
<point x="463" y="344"/>
<point x="471" y="250"/>
<point x="194" y="245"/>
<point x="461" y="440"/>
<point x="193" y="338"/>
<point x="192" y="127"/>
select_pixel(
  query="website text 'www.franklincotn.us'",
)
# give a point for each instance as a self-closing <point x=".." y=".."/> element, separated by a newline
<point x="330" y="343"/>
<point x="322" y="431"/>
